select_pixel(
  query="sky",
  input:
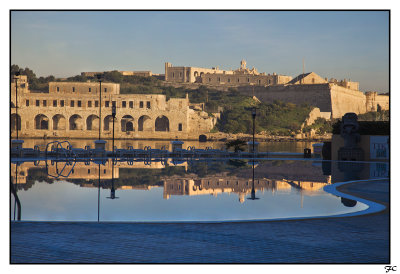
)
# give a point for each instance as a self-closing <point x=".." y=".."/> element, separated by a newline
<point x="334" y="44"/>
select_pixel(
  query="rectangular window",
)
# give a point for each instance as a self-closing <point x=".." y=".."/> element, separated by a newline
<point x="54" y="103"/>
<point x="114" y="103"/>
<point x="79" y="103"/>
<point x="148" y="105"/>
<point x="62" y="103"/>
<point x="124" y="104"/>
<point x="248" y="80"/>
<point x="89" y="104"/>
<point x="58" y="89"/>
<point x="96" y="103"/>
<point x="27" y="103"/>
<point x="130" y="104"/>
<point x="88" y="171"/>
<point x="141" y="104"/>
<point x="180" y="127"/>
<point x="72" y="103"/>
<point x="73" y="89"/>
<point x="90" y="89"/>
<point x="105" y="89"/>
<point x="44" y="103"/>
<point x="107" y="104"/>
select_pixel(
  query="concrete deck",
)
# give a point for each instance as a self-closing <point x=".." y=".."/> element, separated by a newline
<point x="363" y="239"/>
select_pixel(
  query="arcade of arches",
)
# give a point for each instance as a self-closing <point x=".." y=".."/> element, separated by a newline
<point x="91" y="123"/>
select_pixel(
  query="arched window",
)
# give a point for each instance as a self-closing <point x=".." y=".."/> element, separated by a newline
<point x="59" y="122"/>
<point x="41" y="122"/>
<point x="75" y="122"/>
<point x="162" y="123"/>
<point x="127" y="123"/>
<point x="144" y="123"/>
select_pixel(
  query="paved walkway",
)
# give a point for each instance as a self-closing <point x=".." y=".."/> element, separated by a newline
<point x="363" y="239"/>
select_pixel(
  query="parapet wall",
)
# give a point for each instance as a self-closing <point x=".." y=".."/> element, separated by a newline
<point x="317" y="95"/>
<point x="329" y="98"/>
<point x="345" y="100"/>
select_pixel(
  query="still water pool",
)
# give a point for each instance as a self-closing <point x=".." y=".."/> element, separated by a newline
<point x="190" y="191"/>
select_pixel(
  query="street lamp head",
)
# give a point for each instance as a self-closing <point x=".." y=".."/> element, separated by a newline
<point x="99" y="76"/>
<point x="253" y="112"/>
<point x="17" y="73"/>
<point x="114" y="111"/>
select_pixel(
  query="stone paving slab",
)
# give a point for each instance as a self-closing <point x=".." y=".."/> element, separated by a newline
<point x="363" y="239"/>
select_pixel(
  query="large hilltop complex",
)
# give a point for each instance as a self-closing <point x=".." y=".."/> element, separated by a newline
<point x="334" y="98"/>
<point x="71" y="109"/>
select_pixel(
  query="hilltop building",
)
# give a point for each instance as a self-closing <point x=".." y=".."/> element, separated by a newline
<point x="146" y="73"/>
<point x="71" y="110"/>
<point x="334" y="98"/>
<point x="215" y="76"/>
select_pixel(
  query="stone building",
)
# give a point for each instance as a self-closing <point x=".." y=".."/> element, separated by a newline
<point x="215" y="76"/>
<point x="71" y="110"/>
<point x="146" y="73"/>
<point x="333" y="98"/>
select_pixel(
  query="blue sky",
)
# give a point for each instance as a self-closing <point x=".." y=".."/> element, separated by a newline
<point x="343" y="44"/>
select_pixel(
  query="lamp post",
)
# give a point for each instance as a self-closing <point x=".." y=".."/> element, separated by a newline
<point x="99" y="78"/>
<point x="113" y="112"/>
<point x="17" y="74"/>
<point x="253" y="114"/>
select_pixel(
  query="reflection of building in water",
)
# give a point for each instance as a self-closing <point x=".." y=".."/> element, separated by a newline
<point x="80" y="170"/>
<point x="215" y="185"/>
<point x="22" y="172"/>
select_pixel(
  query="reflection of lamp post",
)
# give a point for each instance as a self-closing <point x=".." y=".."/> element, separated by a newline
<point x="112" y="193"/>
<point x="253" y="191"/>
<point x="99" y="76"/>
<point x="98" y="199"/>
<point x="16" y="100"/>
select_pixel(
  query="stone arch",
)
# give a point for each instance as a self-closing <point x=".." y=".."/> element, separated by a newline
<point x="144" y="123"/>
<point x="107" y="122"/>
<point x="15" y="122"/>
<point x="162" y="123"/>
<point x="127" y="123"/>
<point x="196" y="74"/>
<point x="59" y="122"/>
<point x="41" y="122"/>
<point x="92" y="122"/>
<point x="75" y="122"/>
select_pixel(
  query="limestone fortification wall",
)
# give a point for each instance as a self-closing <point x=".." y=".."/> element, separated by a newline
<point x="315" y="95"/>
<point x="331" y="99"/>
<point x="373" y="100"/>
<point x="345" y="100"/>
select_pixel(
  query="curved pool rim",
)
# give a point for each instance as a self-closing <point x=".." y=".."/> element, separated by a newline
<point x="373" y="207"/>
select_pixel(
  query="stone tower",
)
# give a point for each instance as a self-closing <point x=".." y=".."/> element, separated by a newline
<point x="242" y="64"/>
